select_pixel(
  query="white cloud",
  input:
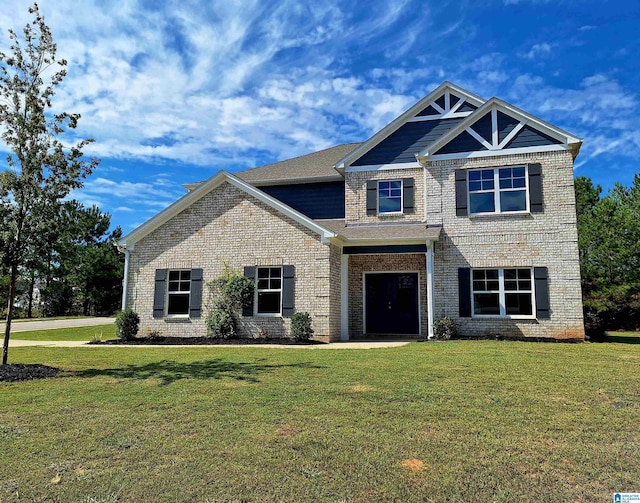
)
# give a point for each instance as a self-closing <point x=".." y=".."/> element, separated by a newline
<point x="538" y="51"/>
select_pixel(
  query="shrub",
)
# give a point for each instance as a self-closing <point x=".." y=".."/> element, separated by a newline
<point x="301" y="326"/>
<point x="229" y="293"/>
<point x="127" y="323"/>
<point x="444" y="329"/>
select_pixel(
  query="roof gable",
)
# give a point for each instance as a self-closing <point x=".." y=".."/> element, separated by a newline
<point x="420" y="125"/>
<point x="497" y="126"/>
<point x="202" y="190"/>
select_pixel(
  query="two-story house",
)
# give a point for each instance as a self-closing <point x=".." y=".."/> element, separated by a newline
<point x="461" y="206"/>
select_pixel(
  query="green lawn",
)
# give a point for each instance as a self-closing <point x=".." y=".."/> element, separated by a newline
<point x="68" y="334"/>
<point x="452" y="421"/>
<point x="23" y="320"/>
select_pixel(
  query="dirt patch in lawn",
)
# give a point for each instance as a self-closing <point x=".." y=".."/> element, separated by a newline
<point x="24" y="372"/>
<point x="413" y="465"/>
<point x="190" y="341"/>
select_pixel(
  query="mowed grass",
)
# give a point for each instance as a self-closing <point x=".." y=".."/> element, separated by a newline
<point x="450" y="421"/>
<point x="68" y="334"/>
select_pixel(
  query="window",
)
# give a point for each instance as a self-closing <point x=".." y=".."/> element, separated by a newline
<point x="390" y="196"/>
<point x="178" y="293"/>
<point x="269" y="291"/>
<point x="498" y="190"/>
<point x="502" y="292"/>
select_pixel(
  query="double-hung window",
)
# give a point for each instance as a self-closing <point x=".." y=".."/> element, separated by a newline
<point x="269" y="291"/>
<point x="498" y="190"/>
<point x="503" y="292"/>
<point x="178" y="293"/>
<point x="389" y="196"/>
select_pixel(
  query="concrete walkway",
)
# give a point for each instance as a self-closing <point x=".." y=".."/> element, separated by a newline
<point x="26" y="326"/>
<point x="15" y="343"/>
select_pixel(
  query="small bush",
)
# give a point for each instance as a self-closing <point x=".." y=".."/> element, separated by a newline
<point x="96" y="338"/>
<point x="444" y="329"/>
<point x="127" y="323"/>
<point x="220" y="322"/>
<point x="301" y="326"/>
<point x="153" y="334"/>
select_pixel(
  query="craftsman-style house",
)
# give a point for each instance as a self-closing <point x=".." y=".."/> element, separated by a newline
<point x="461" y="207"/>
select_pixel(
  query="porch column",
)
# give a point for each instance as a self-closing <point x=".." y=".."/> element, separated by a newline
<point x="430" y="288"/>
<point x="344" y="297"/>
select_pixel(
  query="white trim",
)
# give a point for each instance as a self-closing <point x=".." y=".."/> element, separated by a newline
<point x="344" y="298"/>
<point x="501" y="295"/>
<point x="364" y="299"/>
<point x="512" y="134"/>
<point x="497" y="191"/>
<point x="393" y="126"/>
<point x="430" y="290"/>
<point x="447" y="115"/>
<point x="168" y="293"/>
<point x="494" y="128"/>
<point x="479" y="138"/>
<point x="268" y="290"/>
<point x="569" y="141"/>
<point x="391" y="213"/>
<point x="195" y="195"/>
<point x="494" y="153"/>
<point x="125" y="282"/>
<point x="437" y="107"/>
<point x="383" y="167"/>
<point x="383" y="242"/>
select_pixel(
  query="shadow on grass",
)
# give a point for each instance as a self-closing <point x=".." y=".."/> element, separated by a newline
<point x="622" y="339"/>
<point x="170" y="371"/>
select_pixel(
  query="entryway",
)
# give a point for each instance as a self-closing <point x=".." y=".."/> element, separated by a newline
<point x="392" y="304"/>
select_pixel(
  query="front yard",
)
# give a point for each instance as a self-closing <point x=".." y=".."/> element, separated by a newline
<point x="452" y="421"/>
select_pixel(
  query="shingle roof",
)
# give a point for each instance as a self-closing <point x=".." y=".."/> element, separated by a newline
<point x="317" y="165"/>
<point x="391" y="231"/>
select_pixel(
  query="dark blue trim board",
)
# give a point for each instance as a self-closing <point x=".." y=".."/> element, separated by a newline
<point x="362" y="250"/>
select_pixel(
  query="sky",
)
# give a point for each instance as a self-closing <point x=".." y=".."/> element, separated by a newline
<point x="173" y="91"/>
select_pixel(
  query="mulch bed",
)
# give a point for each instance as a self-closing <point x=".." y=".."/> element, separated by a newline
<point x="23" y="372"/>
<point x="209" y="341"/>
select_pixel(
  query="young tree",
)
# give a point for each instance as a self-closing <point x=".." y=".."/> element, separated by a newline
<point x="42" y="170"/>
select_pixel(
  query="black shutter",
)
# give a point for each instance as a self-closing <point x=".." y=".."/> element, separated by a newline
<point x="247" y="309"/>
<point x="158" y="293"/>
<point x="195" y="300"/>
<point x="464" y="292"/>
<point x="407" y="195"/>
<point x="541" y="278"/>
<point x="461" y="193"/>
<point x="288" y="293"/>
<point x="372" y="197"/>
<point x="535" y="188"/>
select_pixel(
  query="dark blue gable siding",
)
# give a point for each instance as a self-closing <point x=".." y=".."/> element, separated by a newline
<point x="315" y="200"/>
<point x="464" y="142"/>
<point x="506" y="123"/>
<point x="406" y="142"/>
<point x="530" y="137"/>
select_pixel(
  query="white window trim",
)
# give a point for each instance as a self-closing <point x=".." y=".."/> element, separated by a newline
<point x="496" y="192"/>
<point x="390" y="213"/>
<point x="501" y="295"/>
<point x="268" y="290"/>
<point x="169" y="292"/>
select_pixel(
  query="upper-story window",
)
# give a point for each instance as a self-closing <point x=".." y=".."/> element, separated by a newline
<point x="178" y="293"/>
<point x="498" y="190"/>
<point x="390" y="196"/>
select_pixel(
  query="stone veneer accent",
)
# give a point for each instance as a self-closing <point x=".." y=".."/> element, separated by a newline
<point x="356" y="195"/>
<point x="229" y="226"/>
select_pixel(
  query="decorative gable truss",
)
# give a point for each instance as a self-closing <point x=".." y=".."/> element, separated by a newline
<point x="497" y="126"/>
<point x="397" y="144"/>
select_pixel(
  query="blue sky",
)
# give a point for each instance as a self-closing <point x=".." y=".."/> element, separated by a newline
<point x="173" y="91"/>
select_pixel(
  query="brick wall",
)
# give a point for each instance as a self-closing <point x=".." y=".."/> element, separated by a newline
<point x="229" y="226"/>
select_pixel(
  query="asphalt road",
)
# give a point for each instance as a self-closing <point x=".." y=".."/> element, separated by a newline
<point x="26" y="326"/>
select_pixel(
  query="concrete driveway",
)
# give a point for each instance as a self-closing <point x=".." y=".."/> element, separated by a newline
<point x="26" y="326"/>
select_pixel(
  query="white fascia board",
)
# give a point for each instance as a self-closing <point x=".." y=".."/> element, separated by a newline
<point x="382" y="167"/>
<point x="382" y="242"/>
<point x="497" y="153"/>
<point x="191" y="197"/>
<point x="566" y="138"/>
<point x="394" y="125"/>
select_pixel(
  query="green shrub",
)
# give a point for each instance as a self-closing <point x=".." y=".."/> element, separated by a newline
<point x="301" y="326"/>
<point x="127" y="323"/>
<point x="445" y="328"/>
<point x="228" y="294"/>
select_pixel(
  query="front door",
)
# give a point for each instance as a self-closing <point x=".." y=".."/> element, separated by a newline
<point x="391" y="303"/>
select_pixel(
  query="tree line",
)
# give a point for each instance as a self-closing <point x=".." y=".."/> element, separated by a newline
<point x="609" y="244"/>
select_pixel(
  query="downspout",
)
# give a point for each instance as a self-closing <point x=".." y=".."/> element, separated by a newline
<point x="125" y="282"/>
<point x="430" y="289"/>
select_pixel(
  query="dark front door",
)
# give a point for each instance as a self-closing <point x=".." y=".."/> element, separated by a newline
<point x="391" y="302"/>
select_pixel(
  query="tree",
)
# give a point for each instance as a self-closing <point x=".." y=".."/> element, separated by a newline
<point x="42" y="170"/>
